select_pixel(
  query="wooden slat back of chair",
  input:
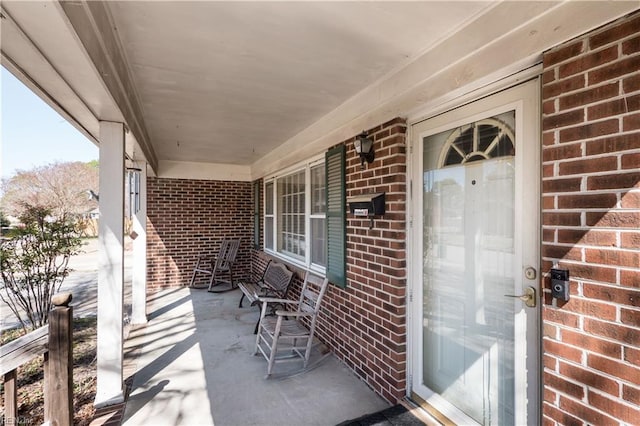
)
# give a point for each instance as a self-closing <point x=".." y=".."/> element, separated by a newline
<point x="278" y="277"/>
<point x="313" y="290"/>
<point x="227" y="253"/>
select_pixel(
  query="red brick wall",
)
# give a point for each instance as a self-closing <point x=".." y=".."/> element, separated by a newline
<point x="591" y="226"/>
<point x="368" y="327"/>
<point x="365" y="323"/>
<point x="187" y="218"/>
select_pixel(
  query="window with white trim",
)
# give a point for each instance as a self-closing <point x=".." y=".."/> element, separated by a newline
<point x="295" y="215"/>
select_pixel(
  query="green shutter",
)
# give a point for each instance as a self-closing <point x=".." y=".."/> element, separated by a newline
<point x="256" y="214"/>
<point x="336" y="219"/>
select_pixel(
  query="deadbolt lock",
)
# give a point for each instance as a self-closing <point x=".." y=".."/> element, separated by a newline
<point x="530" y="273"/>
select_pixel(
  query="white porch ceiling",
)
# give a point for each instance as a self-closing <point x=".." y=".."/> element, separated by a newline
<point x="253" y="86"/>
<point x="228" y="82"/>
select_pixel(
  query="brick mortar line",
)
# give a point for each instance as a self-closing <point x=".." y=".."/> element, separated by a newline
<point x="586" y="73"/>
<point x="619" y="115"/>
<point x="581" y="263"/>
<point x="587" y="158"/>
<point x="597" y="248"/>
<point x="588" y="351"/>
<point x="588" y="389"/>
<point x="584" y="40"/>
<point x="567" y="245"/>
<point x="589" y="228"/>
<point x="614" y="191"/>
<point x="619" y="96"/>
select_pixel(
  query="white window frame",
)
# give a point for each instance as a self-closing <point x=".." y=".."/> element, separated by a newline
<point x="273" y="179"/>
<point x="133" y="189"/>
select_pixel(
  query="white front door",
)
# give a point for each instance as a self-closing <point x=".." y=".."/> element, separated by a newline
<point x="475" y="180"/>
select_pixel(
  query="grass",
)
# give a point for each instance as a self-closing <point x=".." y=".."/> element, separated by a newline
<point x="30" y="377"/>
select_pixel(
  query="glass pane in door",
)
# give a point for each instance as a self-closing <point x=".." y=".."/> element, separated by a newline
<point x="468" y="267"/>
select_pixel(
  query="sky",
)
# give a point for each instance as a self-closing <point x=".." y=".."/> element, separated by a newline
<point x="33" y="134"/>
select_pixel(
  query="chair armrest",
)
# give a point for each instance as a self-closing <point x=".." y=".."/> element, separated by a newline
<point x="266" y="300"/>
<point x="276" y="300"/>
<point x="283" y="313"/>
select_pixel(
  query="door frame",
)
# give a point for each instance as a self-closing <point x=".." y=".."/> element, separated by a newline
<point x="527" y="92"/>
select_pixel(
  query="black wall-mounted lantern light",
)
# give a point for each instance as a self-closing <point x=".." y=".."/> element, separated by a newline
<point x="364" y="148"/>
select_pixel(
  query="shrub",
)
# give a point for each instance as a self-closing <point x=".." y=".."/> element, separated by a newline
<point x="34" y="263"/>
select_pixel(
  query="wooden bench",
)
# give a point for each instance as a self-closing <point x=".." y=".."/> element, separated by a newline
<point x="274" y="283"/>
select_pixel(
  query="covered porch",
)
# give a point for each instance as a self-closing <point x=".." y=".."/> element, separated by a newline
<point x="192" y="364"/>
<point x="227" y="114"/>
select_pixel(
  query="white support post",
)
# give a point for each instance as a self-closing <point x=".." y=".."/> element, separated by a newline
<point x="139" y="280"/>
<point x="110" y="384"/>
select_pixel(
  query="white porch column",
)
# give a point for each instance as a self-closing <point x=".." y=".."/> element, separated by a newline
<point x="139" y="280"/>
<point x="110" y="265"/>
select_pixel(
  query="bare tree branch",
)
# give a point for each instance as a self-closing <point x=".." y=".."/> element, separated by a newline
<point x="60" y="187"/>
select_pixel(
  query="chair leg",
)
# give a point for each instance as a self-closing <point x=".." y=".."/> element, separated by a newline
<point x="212" y="280"/>
<point x="257" y="331"/>
<point x="272" y="355"/>
<point x="195" y="271"/>
<point x="274" y="346"/>
<point x="255" y="351"/>
<point x="240" y="304"/>
<point x="307" y="352"/>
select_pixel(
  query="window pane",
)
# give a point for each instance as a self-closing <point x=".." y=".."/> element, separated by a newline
<point x="268" y="198"/>
<point x="302" y="233"/>
<point x="318" y="242"/>
<point x="468" y="264"/>
<point x="286" y="216"/>
<point x="317" y="190"/>
<point x="291" y="214"/>
<point x="481" y="140"/>
<point x="268" y="232"/>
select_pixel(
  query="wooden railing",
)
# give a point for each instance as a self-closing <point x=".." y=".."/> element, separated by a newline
<point x="54" y="341"/>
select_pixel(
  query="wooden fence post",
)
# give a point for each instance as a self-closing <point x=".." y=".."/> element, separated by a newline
<point x="58" y="404"/>
<point x="11" y="397"/>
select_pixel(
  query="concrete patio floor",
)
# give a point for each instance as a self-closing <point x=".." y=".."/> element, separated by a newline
<point x="195" y="366"/>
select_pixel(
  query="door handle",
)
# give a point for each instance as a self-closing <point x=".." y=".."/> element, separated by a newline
<point x="529" y="297"/>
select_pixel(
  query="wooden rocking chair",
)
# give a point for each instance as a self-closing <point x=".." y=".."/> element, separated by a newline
<point x="219" y="265"/>
<point x="285" y="331"/>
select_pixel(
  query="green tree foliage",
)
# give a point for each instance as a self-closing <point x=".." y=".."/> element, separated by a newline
<point x="34" y="263"/>
<point x="4" y="221"/>
<point x="94" y="163"/>
<point x="5" y="225"/>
